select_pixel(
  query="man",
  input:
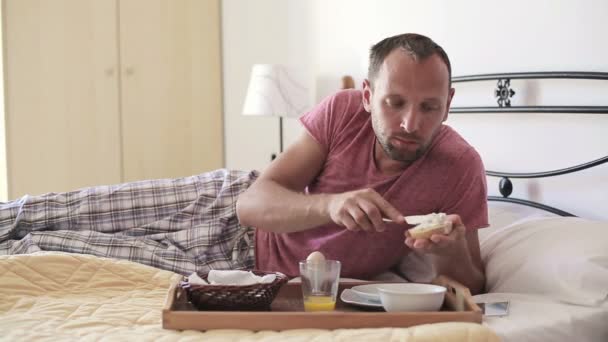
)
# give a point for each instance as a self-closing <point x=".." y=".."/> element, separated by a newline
<point x="367" y="155"/>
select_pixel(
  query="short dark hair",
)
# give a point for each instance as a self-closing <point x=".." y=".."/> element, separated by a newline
<point x="418" y="46"/>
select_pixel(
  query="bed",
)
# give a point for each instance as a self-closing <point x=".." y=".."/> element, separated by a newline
<point x="557" y="285"/>
<point x="66" y="296"/>
<point x="553" y="271"/>
<point x="549" y="264"/>
<point x="63" y="296"/>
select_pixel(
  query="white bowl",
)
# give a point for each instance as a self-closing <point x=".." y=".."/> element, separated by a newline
<point x="368" y="291"/>
<point x="411" y="297"/>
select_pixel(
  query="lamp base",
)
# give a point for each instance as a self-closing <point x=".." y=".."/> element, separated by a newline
<point x="274" y="155"/>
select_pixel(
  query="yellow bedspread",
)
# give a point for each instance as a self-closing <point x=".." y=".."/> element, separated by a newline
<point x="60" y="296"/>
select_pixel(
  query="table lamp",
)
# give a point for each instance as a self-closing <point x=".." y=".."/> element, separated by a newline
<point x="277" y="90"/>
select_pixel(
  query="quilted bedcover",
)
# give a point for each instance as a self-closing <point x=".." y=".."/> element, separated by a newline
<point x="60" y="296"/>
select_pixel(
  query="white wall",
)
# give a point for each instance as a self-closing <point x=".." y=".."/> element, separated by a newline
<point x="261" y="31"/>
<point x="332" y="38"/>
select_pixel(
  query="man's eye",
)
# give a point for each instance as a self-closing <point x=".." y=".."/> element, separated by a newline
<point x="429" y="108"/>
<point x="394" y="103"/>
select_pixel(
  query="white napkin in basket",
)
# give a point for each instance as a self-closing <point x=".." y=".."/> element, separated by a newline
<point x="231" y="277"/>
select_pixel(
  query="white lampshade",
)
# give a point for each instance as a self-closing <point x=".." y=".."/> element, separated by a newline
<point x="277" y="90"/>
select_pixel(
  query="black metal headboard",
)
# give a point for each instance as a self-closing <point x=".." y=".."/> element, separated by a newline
<point x="503" y="94"/>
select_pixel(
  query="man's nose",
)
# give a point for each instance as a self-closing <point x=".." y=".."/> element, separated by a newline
<point x="410" y="121"/>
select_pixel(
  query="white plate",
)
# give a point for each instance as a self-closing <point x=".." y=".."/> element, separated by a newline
<point x="351" y="297"/>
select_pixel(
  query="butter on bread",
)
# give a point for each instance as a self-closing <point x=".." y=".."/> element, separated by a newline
<point x="427" y="225"/>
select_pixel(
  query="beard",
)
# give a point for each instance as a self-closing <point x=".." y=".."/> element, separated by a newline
<point x="396" y="154"/>
<point x="401" y="155"/>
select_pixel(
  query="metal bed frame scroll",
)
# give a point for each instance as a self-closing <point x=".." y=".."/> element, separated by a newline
<point x="503" y="94"/>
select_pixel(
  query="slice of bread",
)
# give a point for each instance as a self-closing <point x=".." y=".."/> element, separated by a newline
<point x="427" y="225"/>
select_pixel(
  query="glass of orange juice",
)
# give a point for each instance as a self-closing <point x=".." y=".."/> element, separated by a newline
<point x="320" y="280"/>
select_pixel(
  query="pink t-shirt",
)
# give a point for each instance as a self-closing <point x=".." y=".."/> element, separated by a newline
<point x="448" y="178"/>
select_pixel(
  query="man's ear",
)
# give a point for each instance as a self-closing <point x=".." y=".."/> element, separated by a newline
<point x="367" y="95"/>
<point x="450" y="97"/>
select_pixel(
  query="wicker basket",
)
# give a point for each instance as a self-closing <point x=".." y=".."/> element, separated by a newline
<point x="256" y="297"/>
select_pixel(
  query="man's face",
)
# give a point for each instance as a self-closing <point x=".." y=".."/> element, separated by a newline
<point x="408" y="103"/>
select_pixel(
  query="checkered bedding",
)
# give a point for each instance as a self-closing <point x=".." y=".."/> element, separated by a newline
<point x="181" y="225"/>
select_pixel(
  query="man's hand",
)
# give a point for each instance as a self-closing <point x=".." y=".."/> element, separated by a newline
<point x="439" y="244"/>
<point x="362" y="209"/>
<point x="455" y="255"/>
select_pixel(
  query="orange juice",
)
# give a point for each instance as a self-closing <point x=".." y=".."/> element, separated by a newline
<point x="319" y="303"/>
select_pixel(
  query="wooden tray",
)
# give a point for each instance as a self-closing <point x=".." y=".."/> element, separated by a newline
<point x="287" y="312"/>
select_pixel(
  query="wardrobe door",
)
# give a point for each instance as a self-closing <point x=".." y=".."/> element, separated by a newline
<point x="62" y="123"/>
<point x="171" y="87"/>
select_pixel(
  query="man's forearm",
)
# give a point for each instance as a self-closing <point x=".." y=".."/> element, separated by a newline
<point x="466" y="273"/>
<point x="269" y="206"/>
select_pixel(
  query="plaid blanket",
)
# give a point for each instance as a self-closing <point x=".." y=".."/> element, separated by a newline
<point x="181" y="225"/>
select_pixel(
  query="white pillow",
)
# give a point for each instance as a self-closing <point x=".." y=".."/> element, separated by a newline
<point x="565" y="258"/>
<point x="502" y="214"/>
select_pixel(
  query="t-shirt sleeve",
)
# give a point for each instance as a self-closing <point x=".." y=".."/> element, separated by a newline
<point x="466" y="191"/>
<point x="327" y="118"/>
<point x="317" y="122"/>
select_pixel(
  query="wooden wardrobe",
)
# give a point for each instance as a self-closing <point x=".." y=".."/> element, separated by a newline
<point x="109" y="91"/>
